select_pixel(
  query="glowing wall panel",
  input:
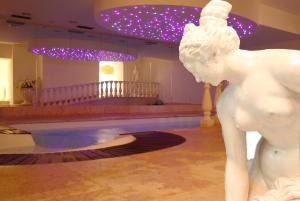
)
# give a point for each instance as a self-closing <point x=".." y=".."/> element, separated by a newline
<point x="110" y="71"/>
<point x="5" y="80"/>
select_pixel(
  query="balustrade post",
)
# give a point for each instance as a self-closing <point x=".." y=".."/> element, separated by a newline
<point x="140" y="92"/>
<point x="93" y="96"/>
<point x="137" y="89"/>
<point x="150" y="89"/>
<point x="66" y="96"/>
<point x="133" y="86"/>
<point x="75" y="94"/>
<point x="78" y="93"/>
<point x="63" y="96"/>
<point x="101" y="88"/>
<point x="154" y="89"/>
<point x="142" y="89"/>
<point x="146" y="89"/>
<point x="88" y="91"/>
<point x="130" y="89"/>
<point x="115" y="88"/>
<point x="106" y="89"/>
<point x="127" y="89"/>
<point x="91" y="91"/>
<point x="59" y="97"/>
<point x="48" y="97"/>
<point x="120" y="88"/>
<point x="207" y="120"/>
<point x="54" y="97"/>
<point x="81" y="93"/>
<point x="124" y="89"/>
<point x="71" y="95"/>
<point x="97" y="91"/>
<point x="111" y="89"/>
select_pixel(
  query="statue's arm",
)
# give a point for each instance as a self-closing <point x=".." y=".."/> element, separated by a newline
<point x="236" y="173"/>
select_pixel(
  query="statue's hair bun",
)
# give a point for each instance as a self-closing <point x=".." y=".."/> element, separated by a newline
<point x="216" y="13"/>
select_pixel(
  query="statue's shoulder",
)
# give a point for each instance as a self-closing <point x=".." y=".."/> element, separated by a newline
<point x="286" y="68"/>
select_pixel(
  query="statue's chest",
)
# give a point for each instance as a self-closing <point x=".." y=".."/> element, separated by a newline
<point x="261" y="101"/>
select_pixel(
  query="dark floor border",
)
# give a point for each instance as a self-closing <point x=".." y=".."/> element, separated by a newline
<point x="145" y="142"/>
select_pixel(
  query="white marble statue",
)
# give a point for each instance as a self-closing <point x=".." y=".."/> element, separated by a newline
<point x="263" y="95"/>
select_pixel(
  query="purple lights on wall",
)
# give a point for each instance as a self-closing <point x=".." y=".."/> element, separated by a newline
<point x="82" y="54"/>
<point x="162" y="22"/>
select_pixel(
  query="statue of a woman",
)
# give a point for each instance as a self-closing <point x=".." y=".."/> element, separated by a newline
<point x="263" y="95"/>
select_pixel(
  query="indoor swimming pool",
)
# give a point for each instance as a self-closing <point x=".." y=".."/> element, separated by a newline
<point x="73" y="135"/>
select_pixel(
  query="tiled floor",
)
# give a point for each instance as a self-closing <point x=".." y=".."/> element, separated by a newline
<point x="192" y="171"/>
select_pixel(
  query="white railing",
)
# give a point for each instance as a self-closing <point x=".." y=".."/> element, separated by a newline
<point x="93" y="91"/>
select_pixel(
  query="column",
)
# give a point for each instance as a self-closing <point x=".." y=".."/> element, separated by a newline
<point x="207" y="120"/>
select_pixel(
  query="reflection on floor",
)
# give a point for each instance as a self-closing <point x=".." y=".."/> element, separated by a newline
<point x="190" y="171"/>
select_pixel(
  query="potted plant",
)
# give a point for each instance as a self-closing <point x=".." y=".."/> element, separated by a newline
<point x="27" y="90"/>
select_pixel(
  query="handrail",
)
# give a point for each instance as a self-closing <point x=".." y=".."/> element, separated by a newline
<point x="92" y="91"/>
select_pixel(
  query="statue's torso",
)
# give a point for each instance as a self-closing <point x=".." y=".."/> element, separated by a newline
<point x="262" y="104"/>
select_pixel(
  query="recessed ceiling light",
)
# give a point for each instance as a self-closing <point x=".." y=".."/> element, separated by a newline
<point x="82" y="54"/>
<point x="162" y="22"/>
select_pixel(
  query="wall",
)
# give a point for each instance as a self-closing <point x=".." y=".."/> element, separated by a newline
<point x="177" y="85"/>
<point x="24" y="67"/>
<point x="290" y="44"/>
<point x="58" y="73"/>
<point x="5" y="51"/>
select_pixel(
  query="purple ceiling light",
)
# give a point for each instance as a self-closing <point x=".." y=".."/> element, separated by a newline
<point x="162" y="22"/>
<point x="82" y="54"/>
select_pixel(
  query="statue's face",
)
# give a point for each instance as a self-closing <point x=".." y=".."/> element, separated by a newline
<point x="198" y="53"/>
<point x="212" y="73"/>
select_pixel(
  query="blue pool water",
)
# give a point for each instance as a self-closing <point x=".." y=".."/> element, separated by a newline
<point x="71" y="135"/>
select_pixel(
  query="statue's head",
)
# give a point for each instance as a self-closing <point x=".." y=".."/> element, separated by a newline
<point x="203" y="48"/>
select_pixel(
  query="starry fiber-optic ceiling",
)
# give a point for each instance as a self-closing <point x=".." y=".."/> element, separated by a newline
<point x="82" y="54"/>
<point x="162" y="22"/>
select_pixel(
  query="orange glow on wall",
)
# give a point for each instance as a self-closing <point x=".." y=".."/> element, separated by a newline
<point x="107" y="70"/>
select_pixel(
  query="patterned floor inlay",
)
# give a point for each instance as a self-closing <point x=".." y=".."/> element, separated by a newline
<point x="145" y="142"/>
